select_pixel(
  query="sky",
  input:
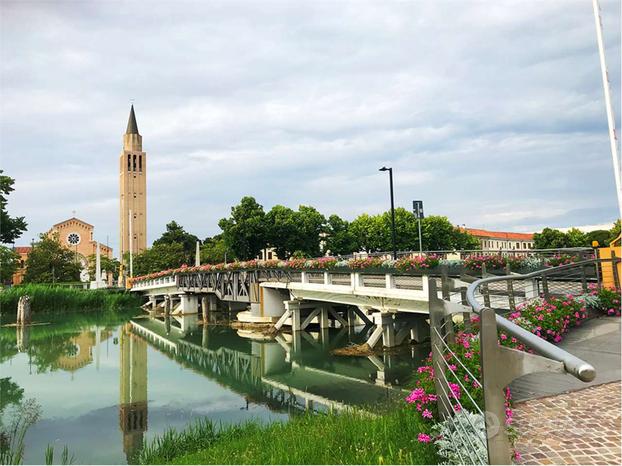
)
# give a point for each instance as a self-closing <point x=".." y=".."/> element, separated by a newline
<point x="491" y="112"/>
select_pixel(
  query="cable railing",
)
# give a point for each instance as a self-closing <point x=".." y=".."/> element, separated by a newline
<point x="460" y="254"/>
<point x="473" y="314"/>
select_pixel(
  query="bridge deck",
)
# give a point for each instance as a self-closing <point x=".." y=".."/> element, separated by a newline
<point x="597" y="341"/>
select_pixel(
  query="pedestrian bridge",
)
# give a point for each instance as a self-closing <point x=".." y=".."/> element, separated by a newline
<point x="395" y="303"/>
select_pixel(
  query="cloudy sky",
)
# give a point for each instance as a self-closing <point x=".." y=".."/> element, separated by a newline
<point x="492" y="112"/>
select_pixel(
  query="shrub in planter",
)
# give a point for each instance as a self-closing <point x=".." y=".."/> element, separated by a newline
<point x="606" y="300"/>
<point x="492" y="262"/>
<point x="560" y="259"/>
<point x="462" y="439"/>
<point x="406" y="264"/>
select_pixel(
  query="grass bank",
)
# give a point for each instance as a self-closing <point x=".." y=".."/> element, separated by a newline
<point x="345" y="438"/>
<point x="46" y="298"/>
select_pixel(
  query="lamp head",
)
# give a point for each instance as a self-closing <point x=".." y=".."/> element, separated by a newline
<point x="383" y="169"/>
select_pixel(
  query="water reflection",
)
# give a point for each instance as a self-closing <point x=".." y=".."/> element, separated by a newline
<point x="133" y="392"/>
<point x="170" y="371"/>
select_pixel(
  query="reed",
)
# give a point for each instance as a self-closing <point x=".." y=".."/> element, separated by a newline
<point x="344" y="438"/>
<point x="45" y="298"/>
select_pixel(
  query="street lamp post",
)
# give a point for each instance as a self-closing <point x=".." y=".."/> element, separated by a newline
<point x="390" y="170"/>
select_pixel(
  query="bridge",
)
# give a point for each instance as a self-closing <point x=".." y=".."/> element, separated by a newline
<point x="394" y="304"/>
<point x="264" y="372"/>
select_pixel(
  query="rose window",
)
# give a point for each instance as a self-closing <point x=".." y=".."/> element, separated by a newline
<point x="73" y="238"/>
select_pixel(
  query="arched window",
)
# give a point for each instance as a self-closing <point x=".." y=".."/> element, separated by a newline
<point x="134" y="162"/>
<point x="129" y="162"/>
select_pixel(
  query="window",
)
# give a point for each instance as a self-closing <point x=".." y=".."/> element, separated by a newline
<point x="140" y="163"/>
<point x="269" y="256"/>
<point x="134" y="195"/>
<point x="134" y="162"/>
<point x="129" y="163"/>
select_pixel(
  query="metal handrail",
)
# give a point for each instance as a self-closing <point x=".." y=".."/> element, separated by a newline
<point x="572" y="364"/>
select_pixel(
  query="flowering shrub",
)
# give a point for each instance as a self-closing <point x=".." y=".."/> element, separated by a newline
<point x="549" y="319"/>
<point x="417" y="263"/>
<point x="606" y="300"/>
<point x="561" y="259"/>
<point x="462" y="366"/>
<point x="494" y="261"/>
<point x="516" y="262"/>
<point x="367" y="263"/>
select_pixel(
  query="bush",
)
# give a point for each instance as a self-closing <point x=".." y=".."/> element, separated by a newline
<point x="492" y="262"/>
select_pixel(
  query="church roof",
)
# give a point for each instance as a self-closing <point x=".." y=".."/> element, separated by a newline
<point x="72" y="219"/>
<point x="132" y="127"/>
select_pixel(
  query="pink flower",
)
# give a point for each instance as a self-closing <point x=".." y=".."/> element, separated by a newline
<point x="557" y="339"/>
<point x="455" y="389"/>
<point x="504" y="336"/>
<point x="424" y="438"/>
<point x="457" y="408"/>
<point x="468" y="355"/>
<point x="427" y="414"/>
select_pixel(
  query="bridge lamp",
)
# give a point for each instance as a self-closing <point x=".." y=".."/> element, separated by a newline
<point x="390" y="170"/>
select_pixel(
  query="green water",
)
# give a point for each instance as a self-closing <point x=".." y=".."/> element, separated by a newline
<point x="106" y="384"/>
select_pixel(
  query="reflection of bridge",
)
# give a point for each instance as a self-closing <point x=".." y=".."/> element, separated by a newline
<point x="395" y="304"/>
<point x="264" y="371"/>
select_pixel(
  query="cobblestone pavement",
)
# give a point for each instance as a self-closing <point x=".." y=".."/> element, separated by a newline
<point x="580" y="427"/>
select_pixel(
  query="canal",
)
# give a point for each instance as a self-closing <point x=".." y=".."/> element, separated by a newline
<point x="106" y="383"/>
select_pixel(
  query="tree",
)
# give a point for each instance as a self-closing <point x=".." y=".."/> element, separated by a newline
<point x="549" y="238"/>
<point x="310" y="224"/>
<point x="213" y="250"/>
<point x="406" y="231"/>
<point x="175" y="233"/>
<point x="368" y="232"/>
<point x="107" y="264"/>
<point x="11" y="228"/>
<point x="439" y="234"/>
<point x="159" y="257"/>
<point x="282" y="230"/>
<point x="600" y="236"/>
<point x="575" y="238"/>
<point x="615" y="231"/>
<point x="340" y="239"/>
<point x="9" y="263"/>
<point x="245" y="232"/>
<point x="49" y="262"/>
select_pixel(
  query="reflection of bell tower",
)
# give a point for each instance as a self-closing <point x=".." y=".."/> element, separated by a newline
<point x="133" y="402"/>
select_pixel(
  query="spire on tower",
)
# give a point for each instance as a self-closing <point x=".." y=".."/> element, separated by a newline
<point x="132" y="127"/>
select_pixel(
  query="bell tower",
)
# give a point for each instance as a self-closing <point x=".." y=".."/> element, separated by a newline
<point x="132" y="190"/>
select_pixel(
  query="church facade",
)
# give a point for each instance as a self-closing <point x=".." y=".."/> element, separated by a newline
<point x="132" y="191"/>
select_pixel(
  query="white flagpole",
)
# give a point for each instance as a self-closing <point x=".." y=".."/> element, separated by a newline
<point x="610" y="116"/>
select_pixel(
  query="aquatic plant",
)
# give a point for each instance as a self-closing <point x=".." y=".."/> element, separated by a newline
<point x="44" y="298"/>
<point x="22" y="416"/>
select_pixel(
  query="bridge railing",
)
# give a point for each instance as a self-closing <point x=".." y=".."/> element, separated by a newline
<point x="474" y="315"/>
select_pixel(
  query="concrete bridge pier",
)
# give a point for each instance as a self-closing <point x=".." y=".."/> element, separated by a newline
<point x="394" y="328"/>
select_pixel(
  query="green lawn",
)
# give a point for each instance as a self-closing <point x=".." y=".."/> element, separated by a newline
<point x="346" y="438"/>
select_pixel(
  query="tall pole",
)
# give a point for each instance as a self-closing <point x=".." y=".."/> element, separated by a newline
<point x="610" y="116"/>
<point x="130" y="246"/>
<point x="390" y="170"/>
<point x="392" y="215"/>
<point x="420" y="242"/>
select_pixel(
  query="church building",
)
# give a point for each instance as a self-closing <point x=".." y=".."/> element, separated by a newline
<point x="132" y="191"/>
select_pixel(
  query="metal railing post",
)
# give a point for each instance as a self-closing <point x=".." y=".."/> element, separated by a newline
<point x="494" y="400"/>
<point x="545" y="287"/>
<point x="510" y="288"/>
<point x="436" y="325"/>
<point x="614" y="269"/>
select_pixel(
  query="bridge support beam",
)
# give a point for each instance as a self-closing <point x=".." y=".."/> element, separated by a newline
<point x="204" y="308"/>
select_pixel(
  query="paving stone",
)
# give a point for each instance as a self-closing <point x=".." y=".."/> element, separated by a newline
<point x="579" y="427"/>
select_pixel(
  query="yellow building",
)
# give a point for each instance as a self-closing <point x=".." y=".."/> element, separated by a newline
<point x="77" y="235"/>
<point x="74" y="234"/>
<point x="132" y="190"/>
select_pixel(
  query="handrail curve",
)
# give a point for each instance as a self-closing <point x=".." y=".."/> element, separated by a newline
<point x="573" y="365"/>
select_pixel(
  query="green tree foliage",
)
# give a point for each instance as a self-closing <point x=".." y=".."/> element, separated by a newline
<point x="368" y="232"/>
<point x="310" y="225"/>
<point x="600" y="236"/>
<point x="175" y="233"/>
<point x="160" y="256"/>
<point x="549" y="238"/>
<point x="107" y="265"/>
<point x="245" y="232"/>
<point x="49" y="261"/>
<point x="9" y="262"/>
<point x="615" y="231"/>
<point x="340" y="239"/>
<point x="11" y="228"/>
<point x="213" y="250"/>
<point x="282" y="230"/>
<point x="575" y="238"/>
<point x="440" y="234"/>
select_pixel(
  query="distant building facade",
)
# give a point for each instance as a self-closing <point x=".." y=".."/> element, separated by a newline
<point x="74" y="234"/>
<point x="495" y="240"/>
<point x="132" y="190"/>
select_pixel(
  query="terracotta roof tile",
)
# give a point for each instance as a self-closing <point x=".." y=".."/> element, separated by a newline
<point x="500" y="234"/>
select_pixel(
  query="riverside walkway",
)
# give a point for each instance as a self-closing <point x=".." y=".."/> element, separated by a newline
<point x="558" y="420"/>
